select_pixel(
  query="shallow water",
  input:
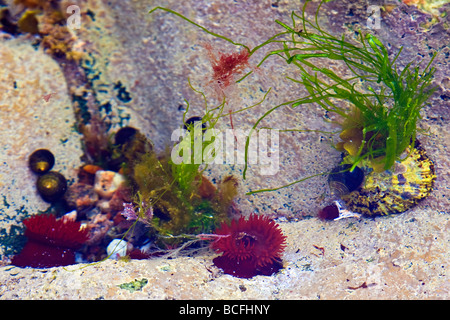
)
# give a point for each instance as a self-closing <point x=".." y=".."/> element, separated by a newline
<point x="137" y="70"/>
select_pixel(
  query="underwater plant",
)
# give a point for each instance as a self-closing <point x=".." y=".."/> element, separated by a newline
<point x="182" y="200"/>
<point x="378" y="107"/>
<point x="378" y="119"/>
<point x="226" y="68"/>
<point x="174" y="200"/>
<point x="380" y="122"/>
<point x="250" y="247"/>
<point x="51" y="242"/>
<point x="135" y="285"/>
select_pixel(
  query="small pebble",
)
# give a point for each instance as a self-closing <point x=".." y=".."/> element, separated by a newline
<point x="81" y="196"/>
<point x="107" y="182"/>
<point x="70" y="216"/>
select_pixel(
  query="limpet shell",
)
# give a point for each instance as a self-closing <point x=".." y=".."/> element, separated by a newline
<point x="396" y="191"/>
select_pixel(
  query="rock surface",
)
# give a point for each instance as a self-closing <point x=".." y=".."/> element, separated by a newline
<point x="401" y="257"/>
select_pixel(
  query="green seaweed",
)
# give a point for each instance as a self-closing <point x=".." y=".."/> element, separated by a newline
<point x="198" y="26"/>
<point x="382" y="101"/>
<point x="135" y="285"/>
<point x="184" y="202"/>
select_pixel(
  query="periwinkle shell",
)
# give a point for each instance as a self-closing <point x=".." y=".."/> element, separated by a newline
<point x="191" y="122"/>
<point x="125" y="135"/>
<point x="52" y="186"/>
<point x="343" y="181"/>
<point x="41" y="161"/>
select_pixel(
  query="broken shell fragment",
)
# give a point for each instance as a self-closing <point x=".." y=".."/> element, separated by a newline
<point x="117" y="248"/>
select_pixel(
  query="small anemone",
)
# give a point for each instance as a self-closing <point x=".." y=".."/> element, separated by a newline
<point x="252" y="247"/>
<point x="51" y="242"/>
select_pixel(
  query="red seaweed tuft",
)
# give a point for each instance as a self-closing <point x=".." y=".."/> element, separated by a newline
<point x="225" y="68"/>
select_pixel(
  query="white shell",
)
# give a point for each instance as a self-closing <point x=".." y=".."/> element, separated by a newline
<point x="116" y="249"/>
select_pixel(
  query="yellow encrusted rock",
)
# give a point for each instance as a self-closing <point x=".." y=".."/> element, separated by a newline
<point x="396" y="191"/>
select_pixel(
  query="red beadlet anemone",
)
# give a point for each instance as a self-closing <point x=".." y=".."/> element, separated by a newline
<point x="46" y="228"/>
<point x="51" y="242"/>
<point x="250" y="247"/>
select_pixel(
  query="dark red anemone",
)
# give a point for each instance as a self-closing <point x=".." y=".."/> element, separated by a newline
<point x="330" y="212"/>
<point x="51" y="242"/>
<point x="250" y="247"/>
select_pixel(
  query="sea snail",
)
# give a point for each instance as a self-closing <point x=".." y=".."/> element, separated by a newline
<point x="41" y="161"/>
<point x="343" y="181"/>
<point x="396" y="190"/>
<point x="191" y="122"/>
<point x="51" y="186"/>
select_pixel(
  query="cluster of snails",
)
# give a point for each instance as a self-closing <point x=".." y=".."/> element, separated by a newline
<point x="51" y="185"/>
